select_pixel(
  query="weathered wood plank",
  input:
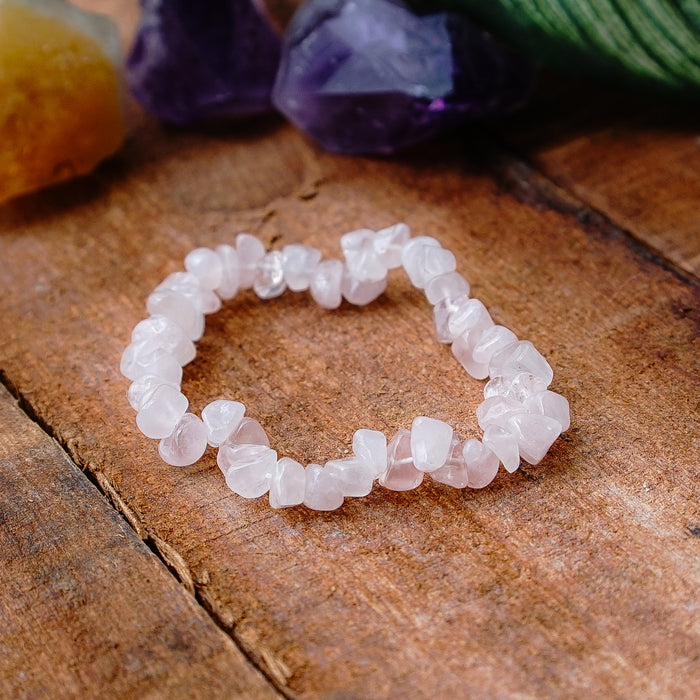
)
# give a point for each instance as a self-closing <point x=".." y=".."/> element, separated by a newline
<point x="87" y="610"/>
<point x="635" y="160"/>
<point x="577" y="577"/>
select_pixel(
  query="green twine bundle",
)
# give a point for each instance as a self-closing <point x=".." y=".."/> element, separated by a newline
<point x="652" y="43"/>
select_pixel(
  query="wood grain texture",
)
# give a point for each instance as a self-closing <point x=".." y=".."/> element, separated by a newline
<point x="575" y="578"/>
<point x="579" y="576"/>
<point x="86" y="608"/>
<point x="633" y="159"/>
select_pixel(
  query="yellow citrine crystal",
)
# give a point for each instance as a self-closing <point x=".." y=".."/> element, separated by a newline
<point x="61" y="93"/>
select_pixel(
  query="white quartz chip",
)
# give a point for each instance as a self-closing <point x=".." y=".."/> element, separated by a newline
<point x="431" y="443"/>
<point x="250" y="252"/>
<point x="548" y="403"/>
<point x="520" y="357"/>
<point x="166" y="334"/>
<point x="535" y="434"/>
<point x="287" y="483"/>
<point x="206" y="266"/>
<point x="388" y="243"/>
<point x="298" y="263"/>
<point x="401" y="473"/>
<point x="221" y="418"/>
<point x="482" y="464"/>
<point x="186" y="444"/>
<point x="325" y="284"/>
<point x="161" y="412"/>
<point x="503" y="443"/>
<point x="454" y="471"/>
<point x="322" y="492"/>
<point x="248" y="468"/>
<point x="371" y="447"/>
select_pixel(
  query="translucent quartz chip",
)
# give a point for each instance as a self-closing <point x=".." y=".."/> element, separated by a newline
<point x="463" y="350"/>
<point x="491" y="341"/>
<point x="140" y="359"/>
<point x="454" y="471"/>
<point x="186" y="444"/>
<point x="354" y="475"/>
<point x="161" y="412"/>
<point x="361" y="293"/>
<point x="203" y="299"/>
<point x="388" y="243"/>
<point x="409" y="254"/>
<point x="322" y="491"/>
<point x="249" y="432"/>
<point x="515" y="386"/>
<point x="221" y="418"/>
<point x="298" y="263"/>
<point x="552" y="405"/>
<point x="401" y="473"/>
<point x="497" y="410"/>
<point x="423" y="262"/>
<point x="449" y="285"/>
<point x="469" y="315"/>
<point x="431" y="443"/>
<point x="177" y="308"/>
<point x="205" y="265"/>
<point x="287" y="484"/>
<point x="520" y="357"/>
<point x="166" y="334"/>
<point x="370" y="446"/>
<point x="535" y="434"/>
<point x="230" y="271"/>
<point x="142" y="388"/>
<point x="248" y="468"/>
<point x="360" y="256"/>
<point x="482" y="464"/>
<point x="442" y="311"/>
<point x="325" y="284"/>
<point x="250" y="252"/>
<point x="504" y="445"/>
<point x="269" y="276"/>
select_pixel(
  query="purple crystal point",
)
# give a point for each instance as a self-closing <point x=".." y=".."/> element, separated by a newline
<point x="195" y="61"/>
<point x="371" y="76"/>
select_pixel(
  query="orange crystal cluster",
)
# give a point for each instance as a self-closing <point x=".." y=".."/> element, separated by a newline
<point x="61" y="93"/>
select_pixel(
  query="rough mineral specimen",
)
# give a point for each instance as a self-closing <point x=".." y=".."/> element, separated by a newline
<point x="194" y="61"/>
<point x="370" y="76"/>
<point x="61" y="93"/>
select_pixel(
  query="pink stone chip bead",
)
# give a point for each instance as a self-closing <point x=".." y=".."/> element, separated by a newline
<point x="482" y="464"/>
<point x="298" y="263"/>
<point x="287" y="483"/>
<point x="221" y="418"/>
<point x="520" y="357"/>
<point x="535" y="434"/>
<point x="141" y="389"/>
<point x="504" y="445"/>
<point x="205" y="264"/>
<point x="249" y="432"/>
<point x="164" y="333"/>
<point x="354" y="476"/>
<point x="551" y="404"/>
<point x="322" y="492"/>
<point x="431" y="443"/>
<point x="230" y="271"/>
<point x="326" y="283"/>
<point x="361" y="293"/>
<point x="388" y="243"/>
<point x="370" y="446"/>
<point x="161" y="412"/>
<point x="454" y="471"/>
<point x="186" y="444"/>
<point x="269" y="282"/>
<point x="248" y="468"/>
<point x="497" y="410"/>
<point x="449" y="285"/>
<point x="250" y="252"/>
<point x="361" y="258"/>
<point x="142" y="358"/>
<point x="401" y="473"/>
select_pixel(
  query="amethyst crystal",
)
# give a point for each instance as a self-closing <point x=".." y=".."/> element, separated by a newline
<point x="370" y="76"/>
<point x="198" y="61"/>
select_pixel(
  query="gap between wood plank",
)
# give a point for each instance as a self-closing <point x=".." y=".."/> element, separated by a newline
<point x="276" y="672"/>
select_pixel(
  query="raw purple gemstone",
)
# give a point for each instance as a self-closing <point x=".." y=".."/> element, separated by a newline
<point x="196" y="61"/>
<point x="371" y="76"/>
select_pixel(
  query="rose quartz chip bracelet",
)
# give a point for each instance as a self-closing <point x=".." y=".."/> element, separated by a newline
<point x="520" y="417"/>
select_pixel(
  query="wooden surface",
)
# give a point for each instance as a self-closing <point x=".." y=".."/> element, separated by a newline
<point x="576" y="578"/>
